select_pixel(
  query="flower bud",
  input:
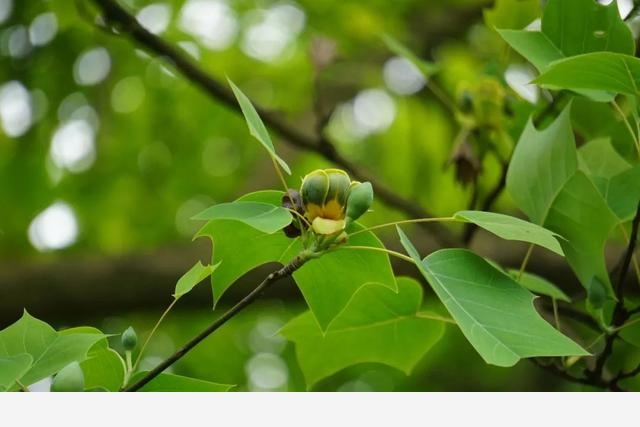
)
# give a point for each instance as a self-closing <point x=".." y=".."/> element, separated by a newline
<point x="360" y="200"/>
<point x="70" y="378"/>
<point x="324" y="195"/>
<point x="129" y="339"/>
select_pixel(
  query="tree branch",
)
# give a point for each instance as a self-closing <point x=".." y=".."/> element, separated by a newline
<point x="115" y="15"/>
<point x="272" y="278"/>
<point x="620" y="313"/>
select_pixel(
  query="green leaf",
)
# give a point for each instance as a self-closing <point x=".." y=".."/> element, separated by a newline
<point x="103" y="369"/>
<point x="12" y="368"/>
<point x="598" y="158"/>
<point x="231" y="251"/>
<point x="572" y="27"/>
<point x="539" y="285"/>
<point x="191" y="278"/>
<point x="178" y="383"/>
<point x="256" y="127"/>
<point x="623" y="192"/>
<point x="583" y="218"/>
<point x="50" y="350"/>
<point x="613" y="176"/>
<point x="264" y="217"/>
<point x="328" y="283"/>
<point x="542" y="162"/>
<point x="631" y="332"/>
<point x="511" y="228"/>
<point x="426" y="68"/>
<point x="494" y="312"/>
<point x="378" y="325"/>
<point x="604" y="71"/>
<point x="512" y="14"/>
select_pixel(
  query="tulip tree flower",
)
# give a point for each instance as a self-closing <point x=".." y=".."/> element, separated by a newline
<point x="331" y="200"/>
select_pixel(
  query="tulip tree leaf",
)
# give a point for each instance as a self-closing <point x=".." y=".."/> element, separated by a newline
<point x="378" y="325"/>
<point x="264" y="217"/>
<point x="426" y="68"/>
<point x="494" y="312"/>
<point x="616" y="180"/>
<point x="539" y="285"/>
<point x="511" y="228"/>
<point x="328" y="283"/>
<point x="598" y="158"/>
<point x="572" y="27"/>
<point x="542" y="162"/>
<point x="512" y="14"/>
<point x="256" y="127"/>
<point x="103" y="369"/>
<point x="623" y="192"/>
<point x="191" y="278"/>
<point x="178" y="383"/>
<point x="583" y="218"/>
<point x="603" y="71"/>
<point x="233" y="252"/>
<point x="50" y="350"/>
<point x="12" y="368"/>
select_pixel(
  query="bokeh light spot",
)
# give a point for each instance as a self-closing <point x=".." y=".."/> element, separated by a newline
<point x="92" y="66"/>
<point x="16" y="114"/>
<point x="56" y="227"/>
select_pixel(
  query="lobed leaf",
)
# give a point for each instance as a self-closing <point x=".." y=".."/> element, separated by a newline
<point x="378" y="325"/>
<point x="328" y="283"/>
<point x="582" y="216"/>
<point x="50" y="350"/>
<point x="494" y="312"/>
<point x="542" y="162"/>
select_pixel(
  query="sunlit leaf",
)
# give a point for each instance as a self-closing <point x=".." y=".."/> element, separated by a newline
<point x="234" y="255"/>
<point x="511" y="228"/>
<point x="378" y="325"/>
<point x="103" y="369"/>
<point x="50" y="350"/>
<point x="494" y="312"/>
<point x="12" y="368"/>
<point x="328" y="283"/>
<point x="191" y="278"/>
<point x="256" y="127"/>
<point x="261" y="216"/>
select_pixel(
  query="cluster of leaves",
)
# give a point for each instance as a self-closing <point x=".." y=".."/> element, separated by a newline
<point x="358" y="310"/>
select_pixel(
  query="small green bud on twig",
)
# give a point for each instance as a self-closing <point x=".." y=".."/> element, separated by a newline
<point x="129" y="339"/>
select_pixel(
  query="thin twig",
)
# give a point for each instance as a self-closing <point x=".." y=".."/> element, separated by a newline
<point x="117" y="16"/>
<point x="272" y="278"/>
<point x="153" y="331"/>
<point x="471" y="228"/>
